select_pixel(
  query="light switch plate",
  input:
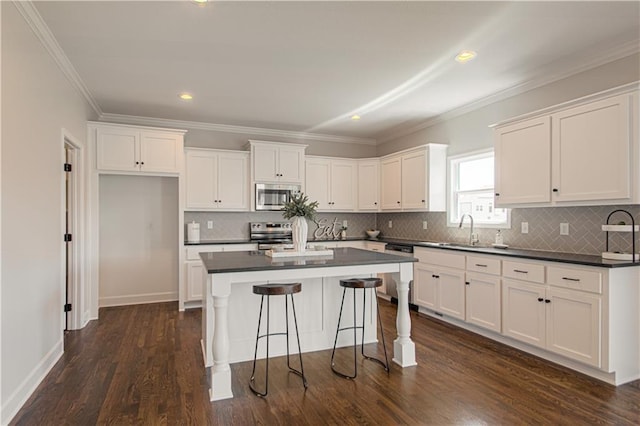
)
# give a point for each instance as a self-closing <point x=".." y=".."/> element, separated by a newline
<point x="564" y="229"/>
<point x="209" y="224"/>
<point x="390" y="224"/>
<point x="524" y="227"/>
<point x="424" y="224"/>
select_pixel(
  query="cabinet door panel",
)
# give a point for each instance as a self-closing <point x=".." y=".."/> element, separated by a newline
<point x="343" y="185"/>
<point x="523" y="162"/>
<point x="194" y="281"/>
<point x="290" y="163"/>
<point x="573" y="325"/>
<point x="483" y="301"/>
<point x="233" y="181"/>
<point x="117" y="149"/>
<point x="201" y="180"/>
<point x="523" y="315"/>
<point x="368" y="185"/>
<point x="592" y="150"/>
<point x="451" y="293"/>
<point x="425" y="286"/>
<point x="414" y="181"/>
<point x="265" y="163"/>
<point x="317" y="182"/>
<point x="391" y="184"/>
<point x="159" y="152"/>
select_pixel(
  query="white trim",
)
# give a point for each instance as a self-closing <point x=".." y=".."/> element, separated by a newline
<point x="19" y="397"/>
<point x="138" y="299"/>
<point x="226" y="128"/>
<point x="42" y="31"/>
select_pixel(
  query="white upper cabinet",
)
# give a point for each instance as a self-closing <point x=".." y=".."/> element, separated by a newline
<point x="369" y="184"/>
<point x="131" y="149"/>
<point x="586" y="154"/>
<point x="216" y="180"/>
<point x="277" y="162"/>
<point x="523" y="162"/>
<point x="331" y="182"/>
<point x="415" y="179"/>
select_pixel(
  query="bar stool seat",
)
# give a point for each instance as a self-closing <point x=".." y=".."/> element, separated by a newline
<point x="355" y="284"/>
<point x="268" y="290"/>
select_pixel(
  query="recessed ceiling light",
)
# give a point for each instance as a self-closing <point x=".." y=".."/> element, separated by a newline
<point x="465" y="56"/>
<point x="200" y="1"/>
<point x="355" y="117"/>
<point x="185" y="96"/>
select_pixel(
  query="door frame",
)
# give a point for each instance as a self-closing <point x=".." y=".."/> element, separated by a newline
<point x="78" y="288"/>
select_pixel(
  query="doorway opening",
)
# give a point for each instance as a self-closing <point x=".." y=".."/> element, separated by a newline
<point x="69" y="216"/>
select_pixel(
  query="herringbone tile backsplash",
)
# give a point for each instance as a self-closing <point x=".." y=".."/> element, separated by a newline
<point x="585" y="229"/>
<point x="585" y="232"/>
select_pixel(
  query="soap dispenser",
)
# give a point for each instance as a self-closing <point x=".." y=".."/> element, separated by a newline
<point x="499" y="239"/>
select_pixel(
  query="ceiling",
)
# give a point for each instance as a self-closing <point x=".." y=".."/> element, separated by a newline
<point x="309" y="66"/>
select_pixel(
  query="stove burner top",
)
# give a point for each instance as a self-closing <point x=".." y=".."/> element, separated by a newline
<point x="268" y="234"/>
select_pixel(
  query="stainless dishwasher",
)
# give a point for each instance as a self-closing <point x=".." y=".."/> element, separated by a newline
<point x="399" y="249"/>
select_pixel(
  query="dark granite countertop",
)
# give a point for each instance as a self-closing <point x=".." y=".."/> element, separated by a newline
<point x="245" y="261"/>
<point x="213" y="242"/>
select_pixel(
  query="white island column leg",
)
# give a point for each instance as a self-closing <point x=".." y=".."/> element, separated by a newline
<point x="220" y="373"/>
<point x="404" y="350"/>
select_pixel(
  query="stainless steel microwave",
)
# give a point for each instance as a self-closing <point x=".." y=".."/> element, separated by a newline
<point x="273" y="196"/>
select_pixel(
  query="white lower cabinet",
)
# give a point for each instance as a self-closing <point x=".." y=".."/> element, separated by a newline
<point x="523" y="312"/>
<point x="483" y="302"/>
<point x="441" y="289"/>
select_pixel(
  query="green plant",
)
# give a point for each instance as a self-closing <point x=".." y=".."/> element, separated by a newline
<point x="300" y="206"/>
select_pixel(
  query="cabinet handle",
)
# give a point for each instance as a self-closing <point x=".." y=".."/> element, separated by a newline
<point x="398" y="202"/>
<point x="571" y="279"/>
<point x="423" y="201"/>
<point x="467" y="282"/>
<point x="497" y="194"/>
<point x="435" y="276"/>
<point x="540" y="299"/>
<point x="520" y="271"/>
<point x="547" y="301"/>
<point x="555" y="189"/>
<point x="481" y="265"/>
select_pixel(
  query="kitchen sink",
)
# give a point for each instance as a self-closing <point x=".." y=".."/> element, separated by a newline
<point x="447" y="244"/>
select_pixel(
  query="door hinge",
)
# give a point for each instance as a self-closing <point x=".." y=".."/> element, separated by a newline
<point x="67" y="307"/>
<point x="67" y="238"/>
<point x="67" y="167"/>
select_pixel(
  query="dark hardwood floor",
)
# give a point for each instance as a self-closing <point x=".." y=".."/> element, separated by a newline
<point x="143" y="365"/>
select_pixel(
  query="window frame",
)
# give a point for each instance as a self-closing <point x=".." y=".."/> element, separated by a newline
<point x="452" y="183"/>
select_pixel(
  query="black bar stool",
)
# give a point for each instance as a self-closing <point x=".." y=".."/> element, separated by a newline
<point x="364" y="284"/>
<point x="276" y="290"/>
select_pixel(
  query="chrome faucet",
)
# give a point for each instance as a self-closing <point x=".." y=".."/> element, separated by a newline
<point x="473" y="238"/>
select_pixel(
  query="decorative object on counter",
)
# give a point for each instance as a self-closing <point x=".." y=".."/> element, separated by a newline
<point x="343" y="233"/>
<point x="621" y="227"/>
<point x="193" y="232"/>
<point x="372" y="233"/>
<point x="499" y="241"/>
<point x="326" y="230"/>
<point x="299" y="209"/>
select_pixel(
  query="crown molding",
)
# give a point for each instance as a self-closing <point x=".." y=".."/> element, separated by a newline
<point x="42" y="31"/>
<point x="225" y="128"/>
<point x="609" y="55"/>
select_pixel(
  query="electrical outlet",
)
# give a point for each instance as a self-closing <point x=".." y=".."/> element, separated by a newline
<point x="390" y="224"/>
<point x="564" y="229"/>
<point x="209" y="224"/>
<point x="344" y="223"/>
<point x="424" y="224"/>
<point x="524" y="227"/>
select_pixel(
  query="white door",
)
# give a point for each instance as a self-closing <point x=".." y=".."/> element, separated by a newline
<point x="523" y="162"/>
<point x="592" y="151"/>
<point x="265" y="163"/>
<point x="368" y="185"/>
<point x="194" y="281"/>
<point x="290" y="164"/>
<point x="201" y="180"/>
<point x="318" y="175"/>
<point x="391" y="184"/>
<point x="523" y="312"/>
<point x="573" y="325"/>
<point x="451" y="292"/>
<point x="343" y="185"/>
<point x="233" y="185"/>
<point x="483" y="301"/>
<point x="159" y="152"/>
<point x="425" y="286"/>
<point x="414" y="181"/>
<point x="117" y="149"/>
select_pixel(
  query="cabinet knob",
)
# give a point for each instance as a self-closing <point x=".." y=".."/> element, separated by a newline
<point x="137" y="162"/>
<point x="398" y="202"/>
<point x="423" y="201"/>
<point x="497" y="194"/>
<point x="540" y="299"/>
<point x="547" y="301"/>
<point x="555" y="189"/>
<point x="142" y="162"/>
<point x="375" y="203"/>
<point x="467" y="282"/>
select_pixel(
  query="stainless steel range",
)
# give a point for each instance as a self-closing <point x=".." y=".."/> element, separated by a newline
<point x="269" y="234"/>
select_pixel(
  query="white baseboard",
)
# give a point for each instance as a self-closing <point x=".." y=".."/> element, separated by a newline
<point x="17" y="399"/>
<point x="138" y="299"/>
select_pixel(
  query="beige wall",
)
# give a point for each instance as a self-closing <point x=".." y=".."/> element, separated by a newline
<point x="470" y="131"/>
<point x="37" y="103"/>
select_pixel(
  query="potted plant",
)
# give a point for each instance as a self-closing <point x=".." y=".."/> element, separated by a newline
<point x="299" y="209"/>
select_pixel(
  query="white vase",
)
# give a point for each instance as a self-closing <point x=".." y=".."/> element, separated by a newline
<point x="299" y="229"/>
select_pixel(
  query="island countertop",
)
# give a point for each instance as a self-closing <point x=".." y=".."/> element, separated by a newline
<point x="244" y="261"/>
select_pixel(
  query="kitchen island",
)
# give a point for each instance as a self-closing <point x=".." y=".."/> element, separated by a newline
<point x="230" y="309"/>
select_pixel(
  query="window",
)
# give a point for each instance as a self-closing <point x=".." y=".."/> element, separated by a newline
<point x="471" y="191"/>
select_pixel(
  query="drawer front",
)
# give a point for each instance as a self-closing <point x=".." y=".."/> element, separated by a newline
<point x="193" y="253"/>
<point x="440" y="258"/>
<point x="523" y="271"/>
<point x="577" y="279"/>
<point x="483" y="264"/>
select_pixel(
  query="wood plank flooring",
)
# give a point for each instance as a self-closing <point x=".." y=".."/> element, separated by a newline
<point x="143" y="365"/>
